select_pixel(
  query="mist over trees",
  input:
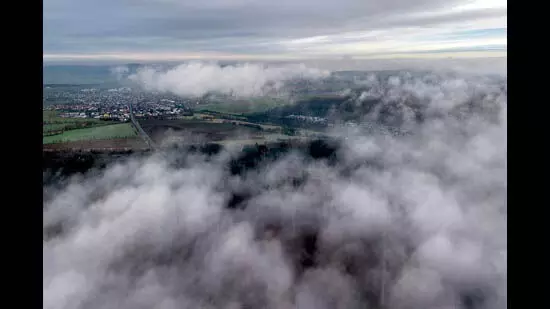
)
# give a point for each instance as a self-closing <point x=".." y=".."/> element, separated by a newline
<point x="361" y="220"/>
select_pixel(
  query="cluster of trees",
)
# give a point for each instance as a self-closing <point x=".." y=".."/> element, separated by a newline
<point x="52" y="132"/>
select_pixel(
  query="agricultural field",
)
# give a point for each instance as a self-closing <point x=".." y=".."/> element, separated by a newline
<point x="52" y="124"/>
<point x="112" y="131"/>
<point x="243" y="107"/>
<point x="266" y="139"/>
<point x="135" y="143"/>
<point x="194" y="130"/>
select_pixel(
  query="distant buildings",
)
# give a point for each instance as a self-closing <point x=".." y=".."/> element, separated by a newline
<point x="113" y="104"/>
<point x="73" y="115"/>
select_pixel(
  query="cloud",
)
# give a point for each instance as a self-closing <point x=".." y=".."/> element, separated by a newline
<point x="198" y="78"/>
<point x="120" y="71"/>
<point x="471" y="64"/>
<point x="416" y="221"/>
<point x="245" y="28"/>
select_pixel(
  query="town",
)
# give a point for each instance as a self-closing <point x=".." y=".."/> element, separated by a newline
<point x="113" y="104"/>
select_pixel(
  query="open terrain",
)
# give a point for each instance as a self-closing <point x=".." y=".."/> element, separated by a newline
<point x="134" y="143"/>
<point x="243" y="107"/>
<point x="53" y="124"/>
<point x="197" y="130"/>
<point x="113" y="131"/>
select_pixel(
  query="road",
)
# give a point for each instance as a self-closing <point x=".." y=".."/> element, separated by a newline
<point x="144" y="135"/>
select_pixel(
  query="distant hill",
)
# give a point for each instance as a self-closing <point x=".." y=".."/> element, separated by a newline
<point x="77" y="74"/>
<point x="84" y="74"/>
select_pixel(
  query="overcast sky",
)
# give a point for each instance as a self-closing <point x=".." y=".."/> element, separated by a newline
<point x="149" y="30"/>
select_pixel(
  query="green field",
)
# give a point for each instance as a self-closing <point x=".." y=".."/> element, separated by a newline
<point x="241" y="107"/>
<point x="52" y="122"/>
<point x="122" y="130"/>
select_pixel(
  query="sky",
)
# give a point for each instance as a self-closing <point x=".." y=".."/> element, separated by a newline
<point x="154" y="30"/>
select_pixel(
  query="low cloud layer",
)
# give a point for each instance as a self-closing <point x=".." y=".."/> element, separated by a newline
<point x="120" y="71"/>
<point x="199" y="78"/>
<point x="397" y="222"/>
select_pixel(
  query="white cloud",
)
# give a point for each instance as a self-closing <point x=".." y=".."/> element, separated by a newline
<point x="432" y="205"/>
<point x="198" y="78"/>
<point x="482" y="4"/>
<point x="120" y="71"/>
<point x="406" y="40"/>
